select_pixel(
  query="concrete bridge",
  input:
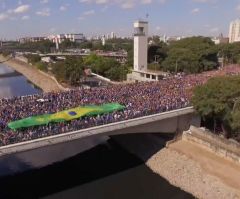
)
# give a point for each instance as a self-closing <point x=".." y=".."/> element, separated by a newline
<point x="167" y="122"/>
<point x="84" y="54"/>
<point x="119" y="57"/>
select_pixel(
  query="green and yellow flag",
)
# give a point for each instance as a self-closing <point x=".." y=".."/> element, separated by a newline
<point x="65" y="115"/>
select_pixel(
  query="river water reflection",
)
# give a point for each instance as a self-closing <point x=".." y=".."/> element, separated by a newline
<point x="14" y="86"/>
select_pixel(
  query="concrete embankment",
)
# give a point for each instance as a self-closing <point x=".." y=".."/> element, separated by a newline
<point x="44" y="81"/>
<point x="187" y="166"/>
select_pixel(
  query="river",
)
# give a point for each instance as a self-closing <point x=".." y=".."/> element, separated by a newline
<point x="14" y="86"/>
<point x="95" y="169"/>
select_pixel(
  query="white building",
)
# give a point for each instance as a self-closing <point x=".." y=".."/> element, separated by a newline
<point x="140" y="69"/>
<point x="62" y="37"/>
<point x="103" y="40"/>
<point x="220" y="39"/>
<point x="75" y="37"/>
<point x="113" y="36"/>
<point x="234" y="31"/>
<point x="31" y="39"/>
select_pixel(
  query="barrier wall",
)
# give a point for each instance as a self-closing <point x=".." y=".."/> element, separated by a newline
<point x="223" y="147"/>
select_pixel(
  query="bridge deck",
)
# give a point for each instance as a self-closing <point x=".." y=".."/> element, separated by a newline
<point x="108" y="129"/>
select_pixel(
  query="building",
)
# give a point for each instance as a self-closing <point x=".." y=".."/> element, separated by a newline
<point x="57" y="38"/>
<point x="103" y="40"/>
<point x="113" y="36"/>
<point x="62" y="37"/>
<point x="8" y="43"/>
<point x="220" y="39"/>
<point x="31" y="39"/>
<point x="140" y="69"/>
<point x="75" y="37"/>
<point x="163" y="38"/>
<point x="234" y="31"/>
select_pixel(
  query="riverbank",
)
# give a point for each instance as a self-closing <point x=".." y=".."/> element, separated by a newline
<point x="187" y="166"/>
<point x="191" y="174"/>
<point x="44" y="81"/>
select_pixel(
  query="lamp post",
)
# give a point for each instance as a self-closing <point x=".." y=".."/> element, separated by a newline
<point x="176" y="66"/>
<point x="156" y="60"/>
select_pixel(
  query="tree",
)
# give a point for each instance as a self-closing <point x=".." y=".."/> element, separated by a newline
<point x="191" y="55"/>
<point x="160" y="50"/>
<point x="44" y="46"/>
<point x="74" y="69"/>
<point x="107" y="67"/>
<point x="59" y="71"/>
<point x="218" y="101"/>
<point x="230" y="52"/>
<point x="71" y="70"/>
<point x="42" y="66"/>
<point x="117" y="73"/>
<point x="67" y="44"/>
<point x="33" y="58"/>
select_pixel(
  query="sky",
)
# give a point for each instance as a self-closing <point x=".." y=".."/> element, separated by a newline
<point x="20" y="18"/>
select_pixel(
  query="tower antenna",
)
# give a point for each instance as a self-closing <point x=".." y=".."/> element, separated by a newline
<point x="147" y="15"/>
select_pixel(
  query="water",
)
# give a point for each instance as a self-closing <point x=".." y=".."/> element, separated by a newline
<point x="14" y="86"/>
<point x="106" y="171"/>
<point x="92" y="168"/>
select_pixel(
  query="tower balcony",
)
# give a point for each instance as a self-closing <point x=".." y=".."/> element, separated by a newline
<point x="139" y="34"/>
<point x="139" y="31"/>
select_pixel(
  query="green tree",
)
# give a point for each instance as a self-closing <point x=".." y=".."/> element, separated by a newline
<point x="67" y="44"/>
<point x="191" y="55"/>
<point x="59" y="71"/>
<point x="33" y="58"/>
<point x="107" y="67"/>
<point x="71" y="70"/>
<point x="42" y="66"/>
<point x="230" y="52"/>
<point x="218" y="101"/>
<point x="41" y="46"/>
<point x="160" y="51"/>
<point x="74" y="69"/>
<point x="117" y="73"/>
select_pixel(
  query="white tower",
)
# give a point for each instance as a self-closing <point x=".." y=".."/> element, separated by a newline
<point x="234" y="31"/>
<point x="103" y="40"/>
<point x="140" y="45"/>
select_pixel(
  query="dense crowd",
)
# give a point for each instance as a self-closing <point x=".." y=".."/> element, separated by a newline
<point x="140" y="99"/>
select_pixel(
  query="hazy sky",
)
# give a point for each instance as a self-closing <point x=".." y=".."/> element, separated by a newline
<point x="92" y="17"/>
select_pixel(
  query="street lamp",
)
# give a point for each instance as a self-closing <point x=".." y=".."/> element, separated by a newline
<point x="176" y="66"/>
<point x="156" y="60"/>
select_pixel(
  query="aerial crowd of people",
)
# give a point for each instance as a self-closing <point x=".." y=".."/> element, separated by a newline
<point x="139" y="99"/>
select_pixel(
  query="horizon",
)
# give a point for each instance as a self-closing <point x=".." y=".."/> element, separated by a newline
<point x="47" y="17"/>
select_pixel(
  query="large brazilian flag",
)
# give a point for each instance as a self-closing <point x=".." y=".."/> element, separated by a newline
<point x="65" y="115"/>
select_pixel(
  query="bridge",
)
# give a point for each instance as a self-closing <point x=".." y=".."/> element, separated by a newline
<point x="119" y="57"/>
<point x="84" y="54"/>
<point x="167" y="122"/>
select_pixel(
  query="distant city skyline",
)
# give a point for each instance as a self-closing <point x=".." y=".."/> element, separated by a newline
<point x="20" y="18"/>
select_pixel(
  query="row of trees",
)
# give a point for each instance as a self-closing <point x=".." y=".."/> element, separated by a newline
<point x="71" y="69"/>
<point x="218" y="102"/>
<point x="191" y="55"/>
